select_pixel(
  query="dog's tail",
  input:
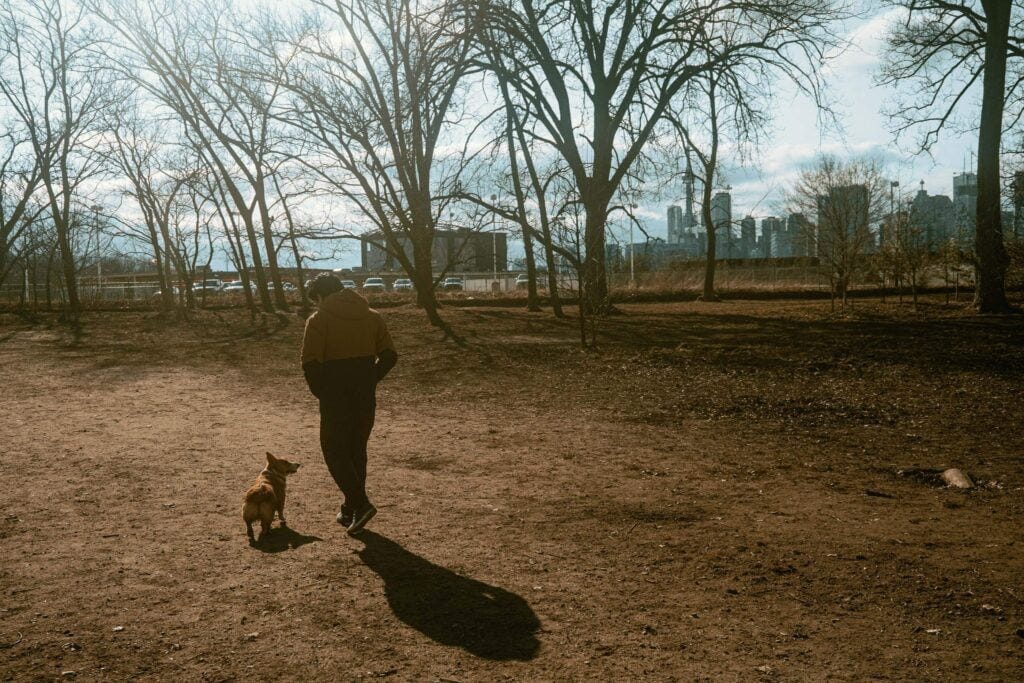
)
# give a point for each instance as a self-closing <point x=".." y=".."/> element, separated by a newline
<point x="258" y="502"/>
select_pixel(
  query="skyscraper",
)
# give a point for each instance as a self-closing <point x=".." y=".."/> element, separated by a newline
<point x="721" y="218"/>
<point x="748" y="237"/>
<point x="932" y="218"/>
<point x="798" y="236"/>
<point x="770" y="229"/>
<point x="689" y="221"/>
<point x="675" y="224"/>
<point x="965" y="206"/>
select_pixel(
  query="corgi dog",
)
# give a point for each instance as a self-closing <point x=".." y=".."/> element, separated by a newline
<point x="266" y="496"/>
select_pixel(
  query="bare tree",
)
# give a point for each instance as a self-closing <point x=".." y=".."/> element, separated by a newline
<point x="709" y="102"/>
<point x="38" y="253"/>
<point x="903" y="249"/>
<point x="201" y="62"/>
<point x="50" y="86"/>
<point x="376" y="85"/>
<point x="944" y="47"/>
<point x="535" y="188"/>
<point x="730" y="102"/>
<point x="513" y="125"/>
<point x="600" y="76"/>
<point x="19" y="179"/>
<point x="847" y="198"/>
<point x="155" y="176"/>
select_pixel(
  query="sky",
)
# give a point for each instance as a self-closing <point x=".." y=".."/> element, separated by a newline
<point x="799" y="137"/>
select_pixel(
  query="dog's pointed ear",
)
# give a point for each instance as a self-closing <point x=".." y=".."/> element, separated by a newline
<point x="270" y="458"/>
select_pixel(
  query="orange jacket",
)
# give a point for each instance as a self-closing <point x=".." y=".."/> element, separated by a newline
<point x="346" y="349"/>
<point x="344" y="326"/>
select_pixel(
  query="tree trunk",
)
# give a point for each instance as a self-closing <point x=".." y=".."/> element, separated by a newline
<point x="580" y="288"/>
<point x="423" y="276"/>
<point x="913" y="284"/>
<point x="49" y="278"/>
<point x="710" y="164"/>
<point x="532" y="300"/>
<point x="531" y="264"/>
<point x="166" y="297"/>
<point x="712" y="246"/>
<point x="257" y="263"/>
<point x="268" y="240"/>
<point x="243" y="267"/>
<point x="549" y="256"/>
<point x="595" y="278"/>
<point x="299" y="272"/>
<point x="990" y="290"/>
<point x="67" y="262"/>
<point x="553" y="295"/>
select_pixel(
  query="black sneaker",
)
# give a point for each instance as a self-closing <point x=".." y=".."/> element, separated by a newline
<point x="344" y="517"/>
<point x="364" y="515"/>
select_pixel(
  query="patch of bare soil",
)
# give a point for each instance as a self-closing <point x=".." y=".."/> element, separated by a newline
<point x="712" y="494"/>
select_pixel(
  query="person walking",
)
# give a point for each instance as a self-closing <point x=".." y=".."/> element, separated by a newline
<point x="346" y="350"/>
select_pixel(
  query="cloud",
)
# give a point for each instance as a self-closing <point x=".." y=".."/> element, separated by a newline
<point x="866" y="42"/>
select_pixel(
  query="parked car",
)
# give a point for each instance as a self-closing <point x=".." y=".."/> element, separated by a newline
<point x="285" y="286"/>
<point x="349" y="284"/>
<point x="453" y="284"/>
<point x="403" y="284"/>
<point x="207" y="287"/>
<point x="374" y="284"/>
<point x="236" y="287"/>
<point x="522" y="281"/>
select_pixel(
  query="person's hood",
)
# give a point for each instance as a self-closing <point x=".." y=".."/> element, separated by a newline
<point x="347" y="304"/>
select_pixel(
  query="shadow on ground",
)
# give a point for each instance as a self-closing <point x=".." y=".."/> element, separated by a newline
<point x="768" y="340"/>
<point x="484" y="620"/>
<point x="283" y="538"/>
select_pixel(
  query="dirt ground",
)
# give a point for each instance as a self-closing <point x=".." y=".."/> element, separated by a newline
<point x="712" y="494"/>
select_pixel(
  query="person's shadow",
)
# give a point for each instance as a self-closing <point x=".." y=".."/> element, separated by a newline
<point x="486" y="621"/>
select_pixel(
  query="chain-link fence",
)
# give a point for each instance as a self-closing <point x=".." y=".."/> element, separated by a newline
<point x="87" y="292"/>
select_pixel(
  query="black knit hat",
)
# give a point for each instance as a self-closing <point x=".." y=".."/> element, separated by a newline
<point x="322" y="285"/>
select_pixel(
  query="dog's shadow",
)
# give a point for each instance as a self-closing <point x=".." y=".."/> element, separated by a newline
<point x="282" y="538"/>
<point x="454" y="610"/>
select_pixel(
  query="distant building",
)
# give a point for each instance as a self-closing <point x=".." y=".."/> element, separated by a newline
<point x="692" y="244"/>
<point x="613" y="259"/>
<point x="721" y="218"/>
<point x="453" y="250"/>
<point x="770" y="229"/>
<point x="675" y="223"/>
<point x="655" y="253"/>
<point x="965" y="207"/>
<point x="932" y="218"/>
<point x="748" y="237"/>
<point x="799" y="236"/>
<point x="689" y="221"/>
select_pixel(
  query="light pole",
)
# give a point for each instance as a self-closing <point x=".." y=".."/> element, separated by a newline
<point x="494" y="242"/>
<point x="632" y="280"/>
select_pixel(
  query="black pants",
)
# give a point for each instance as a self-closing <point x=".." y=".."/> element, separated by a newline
<point x="345" y="426"/>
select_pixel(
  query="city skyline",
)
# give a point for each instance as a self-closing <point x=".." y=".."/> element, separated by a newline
<point x="798" y="137"/>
